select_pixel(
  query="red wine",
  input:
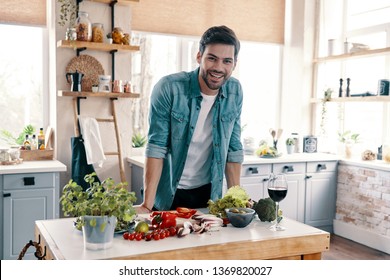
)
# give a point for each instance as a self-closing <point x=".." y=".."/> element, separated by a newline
<point x="277" y="194"/>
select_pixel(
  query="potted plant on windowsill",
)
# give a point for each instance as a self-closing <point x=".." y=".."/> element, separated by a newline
<point x="101" y="210"/>
<point x="290" y="145"/>
<point x="348" y="139"/>
<point x="138" y="142"/>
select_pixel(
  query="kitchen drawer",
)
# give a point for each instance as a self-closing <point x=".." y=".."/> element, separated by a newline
<point x="29" y="181"/>
<point x="248" y="170"/>
<point x="321" y="166"/>
<point x="290" y="168"/>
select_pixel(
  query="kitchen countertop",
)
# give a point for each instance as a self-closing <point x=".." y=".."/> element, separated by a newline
<point x="249" y="159"/>
<point x="33" y="166"/>
<point x="296" y="157"/>
<point x="372" y="164"/>
<point x="256" y="241"/>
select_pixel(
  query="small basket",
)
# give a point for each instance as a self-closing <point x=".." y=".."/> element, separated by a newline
<point x="28" y="155"/>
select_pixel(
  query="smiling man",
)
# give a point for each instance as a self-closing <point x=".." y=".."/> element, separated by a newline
<point x="195" y="131"/>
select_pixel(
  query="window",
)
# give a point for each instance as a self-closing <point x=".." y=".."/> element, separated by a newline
<point x="366" y="23"/>
<point x="21" y="78"/>
<point x="258" y="70"/>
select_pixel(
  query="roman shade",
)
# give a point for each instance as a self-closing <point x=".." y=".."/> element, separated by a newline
<point x="25" y="12"/>
<point x="252" y="20"/>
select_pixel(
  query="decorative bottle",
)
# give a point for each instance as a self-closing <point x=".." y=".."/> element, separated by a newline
<point x="41" y="139"/>
<point x="34" y="144"/>
<point x="27" y="143"/>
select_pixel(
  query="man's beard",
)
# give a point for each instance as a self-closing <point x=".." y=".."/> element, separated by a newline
<point x="207" y="78"/>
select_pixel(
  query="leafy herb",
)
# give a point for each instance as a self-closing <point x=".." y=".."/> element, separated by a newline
<point x="236" y="196"/>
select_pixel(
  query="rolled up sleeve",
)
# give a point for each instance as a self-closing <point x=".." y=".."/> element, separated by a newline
<point x="155" y="151"/>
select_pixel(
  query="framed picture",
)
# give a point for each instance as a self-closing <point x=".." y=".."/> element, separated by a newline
<point x="309" y="144"/>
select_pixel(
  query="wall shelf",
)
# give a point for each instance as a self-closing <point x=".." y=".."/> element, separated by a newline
<point x="98" y="94"/>
<point x="96" y="46"/>
<point x="355" y="99"/>
<point x="363" y="53"/>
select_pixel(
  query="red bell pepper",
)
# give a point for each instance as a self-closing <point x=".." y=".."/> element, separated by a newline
<point x="184" y="212"/>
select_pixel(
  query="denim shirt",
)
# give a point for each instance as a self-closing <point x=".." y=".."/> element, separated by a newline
<point x="174" y="110"/>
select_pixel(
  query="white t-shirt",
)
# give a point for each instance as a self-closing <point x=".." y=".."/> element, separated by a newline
<point x="197" y="167"/>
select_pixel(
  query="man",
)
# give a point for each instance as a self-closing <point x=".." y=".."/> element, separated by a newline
<point x="194" y="134"/>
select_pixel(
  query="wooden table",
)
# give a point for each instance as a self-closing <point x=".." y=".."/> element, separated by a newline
<point x="60" y="240"/>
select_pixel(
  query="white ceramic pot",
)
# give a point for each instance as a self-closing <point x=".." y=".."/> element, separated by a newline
<point x="290" y="149"/>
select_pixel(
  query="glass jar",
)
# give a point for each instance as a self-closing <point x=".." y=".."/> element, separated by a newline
<point x="117" y="35"/>
<point x="4" y="155"/>
<point x="14" y="152"/>
<point x="83" y="27"/>
<point x="97" y="33"/>
<point x="71" y="34"/>
<point x="386" y="153"/>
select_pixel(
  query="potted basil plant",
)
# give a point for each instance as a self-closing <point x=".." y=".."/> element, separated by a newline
<point x="100" y="210"/>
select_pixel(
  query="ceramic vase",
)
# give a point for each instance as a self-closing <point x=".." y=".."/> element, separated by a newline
<point x="98" y="232"/>
<point x="290" y="149"/>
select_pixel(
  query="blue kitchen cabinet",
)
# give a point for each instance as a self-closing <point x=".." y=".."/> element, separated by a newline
<point x="26" y="198"/>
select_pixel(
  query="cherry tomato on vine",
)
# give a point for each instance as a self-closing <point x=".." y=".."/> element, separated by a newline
<point x="156" y="236"/>
<point x="138" y="236"/>
<point x="131" y="236"/>
<point x="148" y="237"/>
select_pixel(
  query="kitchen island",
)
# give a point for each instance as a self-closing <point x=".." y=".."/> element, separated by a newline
<point x="60" y="240"/>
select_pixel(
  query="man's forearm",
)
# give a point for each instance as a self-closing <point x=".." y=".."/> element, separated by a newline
<point x="152" y="174"/>
<point x="233" y="173"/>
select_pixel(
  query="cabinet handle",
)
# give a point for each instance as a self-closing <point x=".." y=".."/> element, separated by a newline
<point x="308" y="176"/>
<point x="321" y="167"/>
<point x="29" y="181"/>
<point x="288" y="168"/>
<point x="253" y="170"/>
<point x="265" y="179"/>
<point x="6" y="195"/>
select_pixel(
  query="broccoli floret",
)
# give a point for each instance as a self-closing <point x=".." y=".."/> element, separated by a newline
<point x="265" y="209"/>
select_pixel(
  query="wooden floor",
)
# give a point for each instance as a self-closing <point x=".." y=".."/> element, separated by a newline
<point x="345" y="249"/>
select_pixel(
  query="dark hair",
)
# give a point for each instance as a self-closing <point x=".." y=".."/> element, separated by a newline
<point x="219" y="35"/>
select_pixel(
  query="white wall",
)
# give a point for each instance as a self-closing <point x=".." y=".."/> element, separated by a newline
<point x="295" y="108"/>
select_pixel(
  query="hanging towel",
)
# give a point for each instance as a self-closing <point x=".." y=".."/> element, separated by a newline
<point x="92" y="141"/>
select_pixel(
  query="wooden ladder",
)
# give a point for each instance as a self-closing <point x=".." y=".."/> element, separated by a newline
<point x="118" y="152"/>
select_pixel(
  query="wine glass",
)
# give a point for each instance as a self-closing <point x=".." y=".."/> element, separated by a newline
<point x="277" y="191"/>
